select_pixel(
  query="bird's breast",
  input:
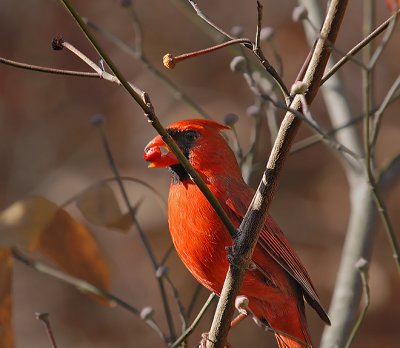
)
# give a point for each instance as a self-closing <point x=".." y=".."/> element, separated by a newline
<point x="199" y="236"/>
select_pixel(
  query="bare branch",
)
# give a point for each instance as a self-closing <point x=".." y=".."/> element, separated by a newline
<point x="142" y="235"/>
<point x="190" y="329"/>
<point x="83" y="286"/>
<point x="138" y="53"/>
<point x="44" y="69"/>
<point x="362" y="266"/>
<point x="44" y="318"/>
<point x="208" y="21"/>
<point x="377" y="116"/>
<point x="368" y="93"/>
<point x="358" y="47"/>
<point x="257" y="212"/>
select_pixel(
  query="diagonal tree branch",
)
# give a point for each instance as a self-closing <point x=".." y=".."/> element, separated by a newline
<point x="255" y="217"/>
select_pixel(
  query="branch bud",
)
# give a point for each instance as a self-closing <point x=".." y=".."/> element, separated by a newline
<point x="147" y="313"/>
<point x="267" y="33"/>
<point x="299" y="13"/>
<point x="362" y="264"/>
<point x="238" y="64"/>
<point x="161" y="271"/>
<point x="231" y="119"/>
<point x="241" y="302"/>
<point x="97" y="120"/>
<point x="169" y="61"/>
<point x="253" y="111"/>
<point x="57" y="43"/>
<point x="237" y="31"/>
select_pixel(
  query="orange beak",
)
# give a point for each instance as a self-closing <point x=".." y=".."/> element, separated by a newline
<point x="158" y="154"/>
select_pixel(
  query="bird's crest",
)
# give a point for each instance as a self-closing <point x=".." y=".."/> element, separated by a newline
<point x="197" y="124"/>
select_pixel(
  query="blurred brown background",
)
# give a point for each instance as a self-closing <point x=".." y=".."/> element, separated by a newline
<point x="50" y="148"/>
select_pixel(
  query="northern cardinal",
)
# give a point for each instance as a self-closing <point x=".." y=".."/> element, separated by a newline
<point x="278" y="285"/>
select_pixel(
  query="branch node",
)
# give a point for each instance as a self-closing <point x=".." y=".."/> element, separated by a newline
<point x="57" y="43"/>
<point x="362" y="264"/>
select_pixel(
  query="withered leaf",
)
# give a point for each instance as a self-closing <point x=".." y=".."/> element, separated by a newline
<point x="73" y="248"/>
<point x="99" y="206"/>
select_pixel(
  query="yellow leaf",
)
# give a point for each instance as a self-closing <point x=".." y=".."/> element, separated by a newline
<point x="74" y="249"/>
<point x="22" y="222"/>
<point x="6" y="331"/>
<point x="100" y="207"/>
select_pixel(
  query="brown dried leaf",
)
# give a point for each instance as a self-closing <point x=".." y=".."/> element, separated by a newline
<point x="74" y="249"/>
<point x="100" y="207"/>
<point x="22" y="222"/>
<point x="6" y="330"/>
<point x="124" y="222"/>
<point x="39" y="224"/>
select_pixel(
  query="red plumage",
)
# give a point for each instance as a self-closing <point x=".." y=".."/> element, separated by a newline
<point x="278" y="284"/>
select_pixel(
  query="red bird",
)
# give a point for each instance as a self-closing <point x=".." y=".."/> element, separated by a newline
<point x="276" y="289"/>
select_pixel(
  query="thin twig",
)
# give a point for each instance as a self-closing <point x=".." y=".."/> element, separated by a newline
<point x="263" y="60"/>
<point x="335" y="49"/>
<point x="208" y="21"/>
<point x="358" y="47"/>
<point x="190" y="329"/>
<point x="142" y="235"/>
<point x="385" y="40"/>
<point x="236" y="144"/>
<point x="44" y="318"/>
<point x="159" y="197"/>
<point x="99" y="72"/>
<point x="181" y="307"/>
<point x="377" y="115"/>
<point x="255" y="47"/>
<point x="139" y="54"/>
<point x="367" y="76"/>
<point x="171" y="60"/>
<point x="316" y="138"/>
<point x="327" y="138"/>
<point x="331" y="141"/>
<point x="248" y="160"/>
<point x="137" y="30"/>
<point x="167" y="254"/>
<point x="45" y="69"/>
<point x="363" y="268"/>
<point x="194" y="298"/>
<point x="82" y="286"/>
<point x="83" y="57"/>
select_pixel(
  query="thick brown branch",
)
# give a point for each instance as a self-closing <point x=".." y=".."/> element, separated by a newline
<point x="257" y="212"/>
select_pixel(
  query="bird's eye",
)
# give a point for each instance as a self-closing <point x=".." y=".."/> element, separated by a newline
<point x="191" y="135"/>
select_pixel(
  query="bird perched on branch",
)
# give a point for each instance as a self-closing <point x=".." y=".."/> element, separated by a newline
<point x="279" y="283"/>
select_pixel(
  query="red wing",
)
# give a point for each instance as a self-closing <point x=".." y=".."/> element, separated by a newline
<point x="273" y="241"/>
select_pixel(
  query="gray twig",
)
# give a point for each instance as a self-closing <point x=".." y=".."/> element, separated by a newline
<point x="83" y="286"/>
<point x="362" y="266"/>
<point x="44" y="318"/>
<point x="190" y="329"/>
<point x="142" y="235"/>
